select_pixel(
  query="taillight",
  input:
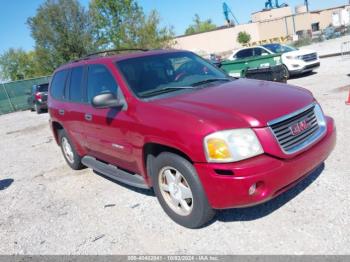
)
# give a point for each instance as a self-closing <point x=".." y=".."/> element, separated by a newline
<point x="38" y="96"/>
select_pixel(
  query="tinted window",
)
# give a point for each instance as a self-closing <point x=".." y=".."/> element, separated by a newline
<point x="100" y="81"/>
<point x="277" y="48"/>
<point x="244" y="53"/>
<point x="76" y="79"/>
<point x="43" y="88"/>
<point x="58" y="84"/>
<point x="260" y="52"/>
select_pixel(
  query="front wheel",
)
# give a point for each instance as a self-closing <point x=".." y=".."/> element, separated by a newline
<point x="286" y="73"/>
<point x="179" y="191"/>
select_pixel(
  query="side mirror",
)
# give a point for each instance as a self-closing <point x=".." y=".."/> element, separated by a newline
<point x="106" y="100"/>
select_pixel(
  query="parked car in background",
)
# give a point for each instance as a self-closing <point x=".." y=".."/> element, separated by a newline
<point x="37" y="99"/>
<point x="215" y="59"/>
<point x="295" y="61"/>
<point x="172" y="121"/>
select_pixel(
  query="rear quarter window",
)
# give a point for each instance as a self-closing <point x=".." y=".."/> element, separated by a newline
<point x="58" y="84"/>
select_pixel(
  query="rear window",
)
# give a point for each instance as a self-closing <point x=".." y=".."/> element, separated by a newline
<point x="43" y="87"/>
<point x="244" y="53"/>
<point x="58" y="83"/>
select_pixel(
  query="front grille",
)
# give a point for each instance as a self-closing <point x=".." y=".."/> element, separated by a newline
<point x="309" y="57"/>
<point x="289" y="140"/>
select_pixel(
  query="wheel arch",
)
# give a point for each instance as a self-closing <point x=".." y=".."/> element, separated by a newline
<point x="56" y="126"/>
<point x="151" y="150"/>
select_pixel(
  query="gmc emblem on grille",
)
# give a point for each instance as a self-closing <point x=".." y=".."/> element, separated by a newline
<point x="299" y="127"/>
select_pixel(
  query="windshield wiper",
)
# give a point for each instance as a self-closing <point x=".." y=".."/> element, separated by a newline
<point x="210" y="80"/>
<point x="164" y="90"/>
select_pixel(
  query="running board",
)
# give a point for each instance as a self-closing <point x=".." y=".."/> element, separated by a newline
<point x="114" y="172"/>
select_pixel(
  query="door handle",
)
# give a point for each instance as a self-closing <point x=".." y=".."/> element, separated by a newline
<point x="88" y="117"/>
<point x="61" y="112"/>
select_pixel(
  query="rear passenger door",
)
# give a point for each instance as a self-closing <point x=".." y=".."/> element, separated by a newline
<point x="107" y="129"/>
<point x="76" y="106"/>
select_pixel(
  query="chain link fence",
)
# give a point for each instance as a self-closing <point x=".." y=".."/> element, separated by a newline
<point x="14" y="95"/>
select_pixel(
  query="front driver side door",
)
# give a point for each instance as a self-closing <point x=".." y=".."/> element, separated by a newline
<point x="107" y="129"/>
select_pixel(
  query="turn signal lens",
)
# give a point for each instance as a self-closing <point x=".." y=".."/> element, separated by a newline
<point x="218" y="149"/>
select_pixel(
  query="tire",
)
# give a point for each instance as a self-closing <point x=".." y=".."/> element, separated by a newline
<point x="71" y="157"/>
<point x="189" y="212"/>
<point x="37" y="109"/>
<point x="286" y="72"/>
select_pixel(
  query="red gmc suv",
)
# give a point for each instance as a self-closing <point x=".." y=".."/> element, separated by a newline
<point x="171" y="121"/>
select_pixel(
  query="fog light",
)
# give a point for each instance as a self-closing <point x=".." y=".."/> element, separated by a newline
<point x="252" y="190"/>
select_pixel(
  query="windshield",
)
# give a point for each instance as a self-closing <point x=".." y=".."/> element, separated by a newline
<point x="151" y="75"/>
<point x="277" y="48"/>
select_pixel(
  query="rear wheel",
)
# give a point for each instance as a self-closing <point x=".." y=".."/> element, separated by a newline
<point x="179" y="191"/>
<point x="69" y="152"/>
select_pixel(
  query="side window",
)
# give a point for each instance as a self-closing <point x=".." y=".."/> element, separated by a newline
<point x="260" y="52"/>
<point x="100" y="81"/>
<point x="58" y="83"/>
<point x="75" y="88"/>
<point x="244" y="53"/>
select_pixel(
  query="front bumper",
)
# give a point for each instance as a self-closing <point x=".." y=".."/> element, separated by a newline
<point x="273" y="176"/>
<point x="305" y="68"/>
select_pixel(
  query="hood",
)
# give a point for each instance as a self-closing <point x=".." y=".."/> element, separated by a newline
<point x="299" y="52"/>
<point x="240" y="103"/>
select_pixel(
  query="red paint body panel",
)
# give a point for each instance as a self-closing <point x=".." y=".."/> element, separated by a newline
<point x="276" y="174"/>
<point x="182" y="122"/>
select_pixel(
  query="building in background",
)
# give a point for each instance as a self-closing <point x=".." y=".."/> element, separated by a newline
<point x="269" y="25"/>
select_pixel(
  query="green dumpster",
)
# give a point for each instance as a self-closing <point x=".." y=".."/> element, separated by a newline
<point x="238" y="68"/>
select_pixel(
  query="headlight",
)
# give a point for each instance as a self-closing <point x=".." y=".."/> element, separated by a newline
<point x="231" y="146"/>
<point x="294" y="57"/>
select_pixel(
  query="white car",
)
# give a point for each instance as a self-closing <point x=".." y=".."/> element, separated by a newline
<point x="295" y="61"/>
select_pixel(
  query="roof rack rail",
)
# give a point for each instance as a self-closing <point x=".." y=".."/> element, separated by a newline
<point x="105" y="52"/>
<point x="108" y="51"/>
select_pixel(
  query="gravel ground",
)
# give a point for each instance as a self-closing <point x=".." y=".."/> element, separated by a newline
<point x="47" y="208"/>
<point x="329" y="46"/>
